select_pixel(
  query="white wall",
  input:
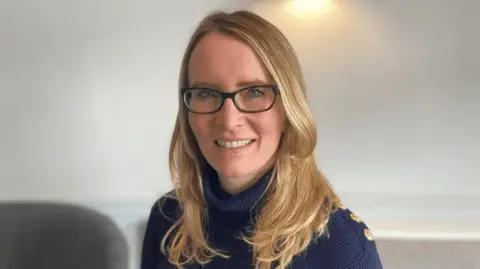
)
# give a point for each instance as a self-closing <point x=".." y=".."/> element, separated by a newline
<point x="395" y="89"/>
<point x="89" y="96"/>
<point x="88" y="99"/>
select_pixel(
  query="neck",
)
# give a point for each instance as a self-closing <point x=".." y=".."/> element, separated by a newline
<point x="226" y="194"/>
<point x="235" y="185"/>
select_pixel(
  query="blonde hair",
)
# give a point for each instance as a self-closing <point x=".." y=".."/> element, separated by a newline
<point x="299" y="200"/>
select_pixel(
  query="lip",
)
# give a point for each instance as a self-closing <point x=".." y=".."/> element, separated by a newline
<point x="236" y="150"/>
<point x="231" y="139"/>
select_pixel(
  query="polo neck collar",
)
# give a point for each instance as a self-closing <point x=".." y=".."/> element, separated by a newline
<point x="244" y="201"/>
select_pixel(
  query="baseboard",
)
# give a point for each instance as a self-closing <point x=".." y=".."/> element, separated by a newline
<point x="407" y="216"/>
<point x="389" y="216"/>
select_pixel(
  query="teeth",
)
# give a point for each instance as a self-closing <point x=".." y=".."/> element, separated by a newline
<point x="233" y="144"/>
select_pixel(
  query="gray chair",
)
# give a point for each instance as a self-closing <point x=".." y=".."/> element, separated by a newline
<point x="429" y="254"/>
<point x="58" y="236"/>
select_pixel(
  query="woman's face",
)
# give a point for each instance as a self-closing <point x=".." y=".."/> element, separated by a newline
<point x="227" y="64"/>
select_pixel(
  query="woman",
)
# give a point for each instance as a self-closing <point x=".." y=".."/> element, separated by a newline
<point x="248" y="193"/>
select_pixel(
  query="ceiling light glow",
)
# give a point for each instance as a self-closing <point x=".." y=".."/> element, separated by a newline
<point x="307" y="8"/>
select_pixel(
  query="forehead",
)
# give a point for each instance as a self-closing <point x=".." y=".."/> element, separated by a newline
<point x="225" y="61"/>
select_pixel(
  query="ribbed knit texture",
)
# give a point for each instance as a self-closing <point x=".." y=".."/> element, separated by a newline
<point x="241" y="202"/>
<point x="345" y="247"/>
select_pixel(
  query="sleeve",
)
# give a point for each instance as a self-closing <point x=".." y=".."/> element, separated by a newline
<point x="371" y="260"/>
<point x="150" y="253"/>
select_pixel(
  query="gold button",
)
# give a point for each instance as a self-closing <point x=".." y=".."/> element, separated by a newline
<point x="355" y="217"/>
<point x="368" y="234"/>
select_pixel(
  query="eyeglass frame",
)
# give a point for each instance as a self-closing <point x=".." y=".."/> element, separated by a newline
<point x="230" y="95"/>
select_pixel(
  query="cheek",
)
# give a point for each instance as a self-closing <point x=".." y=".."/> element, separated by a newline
<point x="271" y="125"/>
<point x="199" y="126"/>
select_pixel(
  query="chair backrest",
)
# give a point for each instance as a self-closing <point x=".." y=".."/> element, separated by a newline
<point x="58" y="236"/>
<point x="429" y="254"/>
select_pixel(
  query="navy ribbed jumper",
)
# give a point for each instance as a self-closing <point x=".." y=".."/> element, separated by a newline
<point x="349" y="244"/>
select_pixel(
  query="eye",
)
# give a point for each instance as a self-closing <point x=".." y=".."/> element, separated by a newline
<point x="256" y="92"/>
<point x="199" y="93"/>
<point x="203" y="93"/>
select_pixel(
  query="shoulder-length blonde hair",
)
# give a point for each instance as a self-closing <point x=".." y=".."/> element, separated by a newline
<point x="299" y="200"/>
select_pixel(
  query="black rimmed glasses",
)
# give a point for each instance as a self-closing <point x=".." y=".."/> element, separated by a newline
<point x="252" y="99"/>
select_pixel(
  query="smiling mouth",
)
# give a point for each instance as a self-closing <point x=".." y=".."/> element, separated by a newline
<point x="234" y="144"/>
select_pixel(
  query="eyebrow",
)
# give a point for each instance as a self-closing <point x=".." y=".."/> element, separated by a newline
<point x="240" y="84"/>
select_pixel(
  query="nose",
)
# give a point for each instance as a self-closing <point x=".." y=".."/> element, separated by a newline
<point x="229" y="117"/>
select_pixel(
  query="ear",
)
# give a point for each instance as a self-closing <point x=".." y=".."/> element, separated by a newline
<point x="284" y="129"/>
<point x="285" y="125"/>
